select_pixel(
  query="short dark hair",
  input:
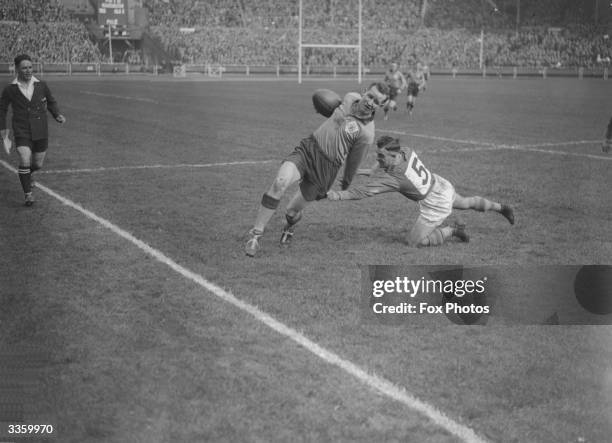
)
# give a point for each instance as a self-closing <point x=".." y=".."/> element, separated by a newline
<point x="22" y="57"/>
<point x="389" y="143"/>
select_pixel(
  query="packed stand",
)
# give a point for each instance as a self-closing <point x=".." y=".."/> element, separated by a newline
<point x="44" y="30"/>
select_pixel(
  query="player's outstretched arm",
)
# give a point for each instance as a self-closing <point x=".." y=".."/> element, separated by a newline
<point x="364" y="191"/>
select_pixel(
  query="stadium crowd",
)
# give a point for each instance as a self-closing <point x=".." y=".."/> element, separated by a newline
<point x="44" y="29"/>
<point x="446" y="34"/>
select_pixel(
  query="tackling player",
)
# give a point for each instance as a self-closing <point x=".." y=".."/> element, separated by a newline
<point x="397" y="83"/>
<point x="344" y="137"/>
<point x="417" y="81"/>
<point x="436" y="196"/>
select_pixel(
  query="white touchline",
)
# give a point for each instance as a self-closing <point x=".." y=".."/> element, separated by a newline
<point x="185" y="165"/>
<point x="548" y="151"/>
<point x="124" y="97"/>
<point x="384" y="386"/>
<point x="498" y="146"/>
<point x="435" y="137"/>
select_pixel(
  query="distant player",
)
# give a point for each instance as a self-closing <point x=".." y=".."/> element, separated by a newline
<point x="417" y="81"/>
<point x="403" y="172"/>
<point x="397" y="83"/>
<point x="345" y="137"/>
<point x="607" y="143"/>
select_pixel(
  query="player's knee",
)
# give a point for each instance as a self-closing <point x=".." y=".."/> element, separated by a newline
<point x="293" y="216"/>
<point x="279" y="186"/>
<point x="414" y="241"/>
<point x="35" y="166"/>
<point x="24" y="157"/>
<point x="434" y="238"/>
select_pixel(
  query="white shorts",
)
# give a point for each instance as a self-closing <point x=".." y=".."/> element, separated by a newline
<point x="438" y="204"/>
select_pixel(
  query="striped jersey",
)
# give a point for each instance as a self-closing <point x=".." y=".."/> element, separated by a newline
<point x="409" y="177"/>
<point x="345" y="138"/>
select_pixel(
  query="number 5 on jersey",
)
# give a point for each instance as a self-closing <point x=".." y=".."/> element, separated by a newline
<point x="418" y="174"/>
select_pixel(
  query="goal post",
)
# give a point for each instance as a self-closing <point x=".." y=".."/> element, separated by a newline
<point x="302" y="45"/>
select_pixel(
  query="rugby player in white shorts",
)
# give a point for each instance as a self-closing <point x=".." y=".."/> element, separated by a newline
<point x="405" y="173"/>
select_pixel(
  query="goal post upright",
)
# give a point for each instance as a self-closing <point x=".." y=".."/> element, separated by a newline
<point x="302" y="45"/>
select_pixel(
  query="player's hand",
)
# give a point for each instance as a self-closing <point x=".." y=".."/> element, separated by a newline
<point x="60" y="119"/>
<point x="607" y="145"/>
<point x="6" y="141"/>
<point x="333" y="196"/>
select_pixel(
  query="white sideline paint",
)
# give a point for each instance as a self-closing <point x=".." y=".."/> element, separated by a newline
<point x="479" y="146"/>
<point x="124" y="97"/>
<point x="120" y="168"/>
<point x="532" y="148"/>
<point x="444" y="139"/>
<point x="475" y="142"/>
<point x="495" y="146"/>
<point x="382" y="385"/>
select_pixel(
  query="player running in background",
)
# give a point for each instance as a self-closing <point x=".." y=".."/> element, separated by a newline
<point x="345" y="137"/>
<point x="417" y="81"/>
<point x="405" y="173"/>
<point x="397" y="83"/>
<point x="607" y="143"/>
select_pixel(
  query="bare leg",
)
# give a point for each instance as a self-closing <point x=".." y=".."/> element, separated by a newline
<point x="287" y="174"/>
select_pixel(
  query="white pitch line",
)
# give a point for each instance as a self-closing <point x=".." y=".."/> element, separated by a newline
<point x="548" y="151"/>
<point x="124" y="97"/>
<point x="576" y="142"/>
<point x="447" y="150"/>
<point x="120" y="168"/>
<point x="494" y="146"/>
<point x="445" y="139"/>
<point x="380" y="384"/>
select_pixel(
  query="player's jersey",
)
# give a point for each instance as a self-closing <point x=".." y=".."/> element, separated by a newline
<point x="417" y="76"/>
<point x="395" y="79"/>
<point x="344" y="137"/>
<point x="409" y="177"/>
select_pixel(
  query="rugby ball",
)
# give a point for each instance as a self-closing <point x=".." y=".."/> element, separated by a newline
<point x="325" y="101"/>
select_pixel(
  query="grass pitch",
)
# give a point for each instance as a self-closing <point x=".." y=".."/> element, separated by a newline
<point x="133" y="351"/>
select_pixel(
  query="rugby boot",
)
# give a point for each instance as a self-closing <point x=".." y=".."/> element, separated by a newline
<point x="508" y="212"/>
<point x="459" y="232"/>
<point x="287" y="234"/>
<point x="252" y="245"/>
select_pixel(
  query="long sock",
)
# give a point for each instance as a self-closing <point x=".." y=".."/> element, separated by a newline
<point x="482" y="204"/>
<point x="25" y="177"/>
<point x="267" y="208"/>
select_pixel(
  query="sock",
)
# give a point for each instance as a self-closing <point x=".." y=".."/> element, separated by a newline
<point x="25" y="177"/>
<point x="483" y="205"/>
